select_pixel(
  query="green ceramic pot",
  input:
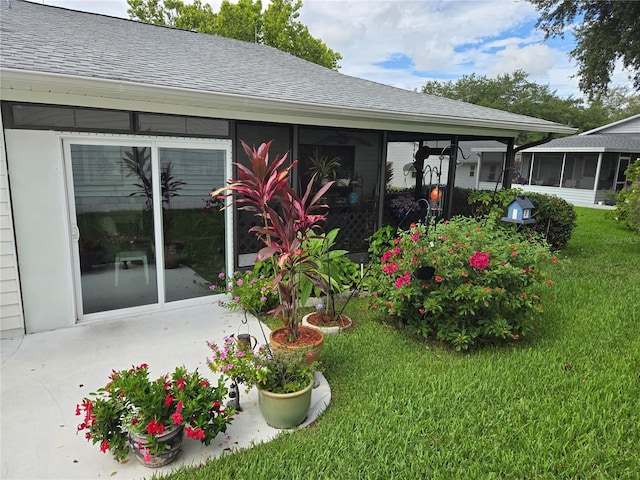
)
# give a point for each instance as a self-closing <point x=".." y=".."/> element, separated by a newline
<point x="285" y="410"/>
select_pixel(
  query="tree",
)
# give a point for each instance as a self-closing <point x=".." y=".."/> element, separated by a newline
<point x="608" y="32"/>
<point x="277" y="26"/>
<point x="516" y="94"/>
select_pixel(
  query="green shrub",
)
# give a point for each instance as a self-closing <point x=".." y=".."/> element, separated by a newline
<point x="488" y="282"/>
<point x="555" y="217"/>
<point x="628" y="205"/>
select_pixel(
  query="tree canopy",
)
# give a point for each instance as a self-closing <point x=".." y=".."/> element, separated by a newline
<point x="608" y="32"/>
<point x="277" y="26"/>
<point x="515" y="93"/>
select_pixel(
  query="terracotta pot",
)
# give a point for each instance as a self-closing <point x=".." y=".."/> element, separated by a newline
<point x="285" y="410"/>
<point x="327" y="330"/>
<point x="172" y="438"/>
<point x="308" y="337"/>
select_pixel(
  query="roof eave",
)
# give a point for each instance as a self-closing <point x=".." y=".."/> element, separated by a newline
<point x="87" y="91"/>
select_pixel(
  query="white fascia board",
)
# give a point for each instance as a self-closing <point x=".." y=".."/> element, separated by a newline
<point x="21" y="85"/>
<point x="608" y="125"/>
<point x="569" y="150"/>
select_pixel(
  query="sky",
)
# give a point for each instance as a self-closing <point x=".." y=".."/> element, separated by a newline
<point x="405" y="43"/>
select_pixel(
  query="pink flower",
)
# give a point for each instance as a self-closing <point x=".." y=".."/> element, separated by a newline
<point x="168" y="401"/>
<point x="147" y="455"/>
<point x="438" y="279"/>
<point x="479" y="260"/>
<point x="390" y="269"/>
<point x="239" y="282"/>
<point x="404" y="280"/>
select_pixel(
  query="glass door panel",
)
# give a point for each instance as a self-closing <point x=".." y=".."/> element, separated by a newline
<point x="193" y="227"/>
<point x="114" y="215"/>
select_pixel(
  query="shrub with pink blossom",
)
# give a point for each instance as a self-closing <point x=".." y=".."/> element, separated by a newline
<point x="251" y="290"/>
<point x="487" y="283"/>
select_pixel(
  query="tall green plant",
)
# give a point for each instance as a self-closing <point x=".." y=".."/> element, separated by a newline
<point x="287" y="221"/>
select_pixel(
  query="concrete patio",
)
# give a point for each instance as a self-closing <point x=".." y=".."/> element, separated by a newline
<point x="45" y="375"/>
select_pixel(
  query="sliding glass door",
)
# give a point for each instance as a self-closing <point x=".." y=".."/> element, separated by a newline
<point x="145" y="231"/>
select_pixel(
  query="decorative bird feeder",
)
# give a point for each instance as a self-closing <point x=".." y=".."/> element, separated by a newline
<point x="520" y="211"/>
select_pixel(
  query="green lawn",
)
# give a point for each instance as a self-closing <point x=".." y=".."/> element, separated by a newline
<point x="563" y="403"/>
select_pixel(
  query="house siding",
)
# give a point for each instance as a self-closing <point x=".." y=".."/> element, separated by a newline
<point x="12" y="319"/>
<point x="39" y="205"/>
<point x="632" y="125"/>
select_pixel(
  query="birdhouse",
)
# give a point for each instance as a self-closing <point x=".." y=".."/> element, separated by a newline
<point x="520" y="211"/>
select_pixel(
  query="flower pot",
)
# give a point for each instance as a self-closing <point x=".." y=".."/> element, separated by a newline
<point x="285" y="410"/>
<point x="171" y="438"/>
<point x="308" y="337"/>
<point x="314" y="320"/>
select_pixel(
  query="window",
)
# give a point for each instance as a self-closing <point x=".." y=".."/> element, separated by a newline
<point x="472" y="171"/>
<point x="175" y="124"/>
<point x="44" y="116"/>
<point x="61" y="117"/>
<point x="546" y="169"/>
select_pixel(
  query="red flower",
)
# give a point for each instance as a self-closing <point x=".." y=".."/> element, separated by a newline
<point x="438" y="279"/>
<point x="168" y="401"/>
<point x="104" y="446"/>
<point x="514" y="254"/>
<point x="155" y="428"/>
<point x="177" y="418"/>
<point x="180" y="384"/>
<point x="204" y="383"/>
<point x="196" y="434"/>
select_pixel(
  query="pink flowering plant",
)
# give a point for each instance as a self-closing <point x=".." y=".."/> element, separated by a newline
<point x="488" y="283"/>
<point x="251" y="290"/>
<point x="275" y="372"/>
<point x="132" y="403"/>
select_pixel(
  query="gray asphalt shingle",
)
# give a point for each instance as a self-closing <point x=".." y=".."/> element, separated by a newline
<point x="47" y="39"/>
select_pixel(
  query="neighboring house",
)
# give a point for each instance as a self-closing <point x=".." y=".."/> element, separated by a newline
<point x="583" y="169"/>
<point x="114" y="132"/>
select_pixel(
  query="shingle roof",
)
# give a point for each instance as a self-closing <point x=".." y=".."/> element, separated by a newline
<point x="40" y="38"/>
<point x="616" y="142"/>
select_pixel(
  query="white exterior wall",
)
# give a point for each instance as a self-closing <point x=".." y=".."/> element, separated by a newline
<point x="42" y="228"/>
<point x="11" y="318"/>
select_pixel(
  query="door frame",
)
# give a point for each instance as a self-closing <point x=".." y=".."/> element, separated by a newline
<point x="154" y="143"/>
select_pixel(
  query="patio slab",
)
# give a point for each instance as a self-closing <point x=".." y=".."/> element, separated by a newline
<point x="45" y="375"/>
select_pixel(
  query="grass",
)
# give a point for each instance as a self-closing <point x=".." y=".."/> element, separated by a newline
<point x="562" y="403"/>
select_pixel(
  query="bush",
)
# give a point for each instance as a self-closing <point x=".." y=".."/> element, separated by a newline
<point x="488" y="283"/>
<point x="555" y="217"/>
<point x="628" y="205"/>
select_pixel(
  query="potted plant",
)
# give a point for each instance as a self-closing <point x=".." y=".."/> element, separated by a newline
<point x="324" y="167"/>
<point x="286" y="222"/>
<point x="339" y="273"/>
<point x="284" y="381"/>
<point x="149" y="417"/>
